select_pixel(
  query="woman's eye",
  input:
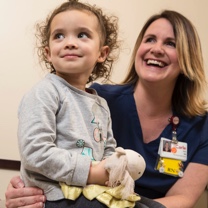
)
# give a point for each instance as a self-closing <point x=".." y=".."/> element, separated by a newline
<point x="59" y="36"/>
<point x="149" y="40"/>
<point x="83" y="35"/>
<point x="172" y="44"/>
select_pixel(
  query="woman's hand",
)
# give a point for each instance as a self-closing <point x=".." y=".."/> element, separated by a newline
<point x="23" y="197"/>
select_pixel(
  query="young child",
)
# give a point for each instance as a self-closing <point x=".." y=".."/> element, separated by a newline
<point x="64" y="126"/>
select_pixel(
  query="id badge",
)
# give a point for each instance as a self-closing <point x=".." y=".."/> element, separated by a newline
<point x="171" y="157"/>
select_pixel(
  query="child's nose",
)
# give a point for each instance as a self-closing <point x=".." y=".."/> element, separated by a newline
<point x="71" y="43"/>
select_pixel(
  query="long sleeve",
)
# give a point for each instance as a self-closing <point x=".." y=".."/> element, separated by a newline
<point x="37" y="134"/>
<point x="59" y="135"/>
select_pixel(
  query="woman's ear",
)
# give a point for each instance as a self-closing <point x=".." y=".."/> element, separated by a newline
<point x="48" y="53"/>
<point x="104" y="51"/>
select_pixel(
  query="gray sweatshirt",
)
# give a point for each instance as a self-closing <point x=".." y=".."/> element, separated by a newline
<point x="61" y="130"/>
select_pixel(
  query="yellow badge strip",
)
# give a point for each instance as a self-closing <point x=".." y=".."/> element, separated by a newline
<point x="170" y="166"/>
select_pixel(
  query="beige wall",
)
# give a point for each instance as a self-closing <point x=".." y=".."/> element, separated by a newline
<point x="5" y="177"/>
<point x="19" y="66"/>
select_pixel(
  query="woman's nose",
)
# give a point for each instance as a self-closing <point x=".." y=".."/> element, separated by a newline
<point x="157" y="48"/>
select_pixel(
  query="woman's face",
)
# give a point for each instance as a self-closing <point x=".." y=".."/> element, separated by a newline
<point x="156" y="58"/>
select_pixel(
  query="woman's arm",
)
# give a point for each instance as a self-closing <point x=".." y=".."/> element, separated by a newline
<point x="187" y="190"/>
<point x="19" y="196"/>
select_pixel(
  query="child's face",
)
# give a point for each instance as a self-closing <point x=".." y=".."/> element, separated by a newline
<point x="75" y="46"/>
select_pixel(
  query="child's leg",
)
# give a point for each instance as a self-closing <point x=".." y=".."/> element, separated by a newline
<point x="81" y="202"/>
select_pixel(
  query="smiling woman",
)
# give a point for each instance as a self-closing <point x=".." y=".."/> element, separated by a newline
<point x="16" y="82"/>
<point x="156" y="59"/>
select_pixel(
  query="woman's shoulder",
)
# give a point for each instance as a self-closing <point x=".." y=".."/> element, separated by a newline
<point x="193" y="123"/>
<point x="196" y="119"/>
<point x="112" y="89"/>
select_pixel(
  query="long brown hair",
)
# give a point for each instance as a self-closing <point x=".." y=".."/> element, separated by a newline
<point x="187" y="98"/>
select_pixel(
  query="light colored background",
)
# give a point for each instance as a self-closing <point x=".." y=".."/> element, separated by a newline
<point x="19" y="65"/>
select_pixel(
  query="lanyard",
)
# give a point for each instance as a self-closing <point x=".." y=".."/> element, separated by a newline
<point x="174" y="120"/>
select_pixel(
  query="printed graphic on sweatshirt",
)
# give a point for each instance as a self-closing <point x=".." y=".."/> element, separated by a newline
<point x="86" y="150"/>
<point x="98" y="137"/>
<point x="98" y="132"/>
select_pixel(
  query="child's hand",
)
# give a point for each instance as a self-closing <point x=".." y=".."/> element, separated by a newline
<point x="98" y="174"/>
<point x="107" y="183"/>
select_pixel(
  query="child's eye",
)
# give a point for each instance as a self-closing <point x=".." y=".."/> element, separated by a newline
<point x="83" y="35"/>
<point x="59" y="36"/>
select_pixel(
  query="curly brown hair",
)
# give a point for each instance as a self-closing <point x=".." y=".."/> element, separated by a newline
<point x="108" y="26"/>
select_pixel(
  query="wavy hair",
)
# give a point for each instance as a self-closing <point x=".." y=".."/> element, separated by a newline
<point x="188" y="95"/>
<point x="108" y="30"/>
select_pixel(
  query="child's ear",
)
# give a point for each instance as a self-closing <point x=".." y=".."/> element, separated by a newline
<point x="48" y="53"/>
<point x="104" y="51"/>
